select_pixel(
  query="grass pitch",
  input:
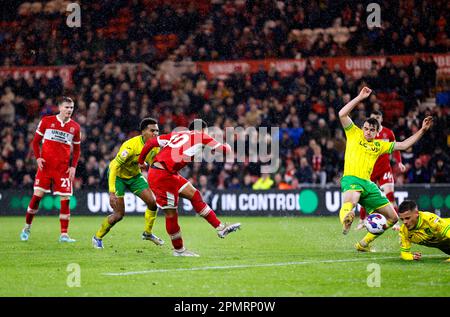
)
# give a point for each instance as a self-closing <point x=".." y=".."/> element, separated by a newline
<point x="269" y="257"/>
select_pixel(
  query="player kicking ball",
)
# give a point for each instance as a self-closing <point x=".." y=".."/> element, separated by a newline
<point x="361" y="152"/>
<point x="382" y="174"/>
<point x="177" y="150"/>
<point x="57" y="133"/>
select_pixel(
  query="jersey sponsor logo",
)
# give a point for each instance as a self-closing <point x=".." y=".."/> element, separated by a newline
<point x="58" y="136"/>
<point x="374" y="148"/>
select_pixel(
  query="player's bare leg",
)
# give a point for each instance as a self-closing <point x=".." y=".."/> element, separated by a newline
<point x="174" y="231"/>
<point x="388" y="190"/>
<point x="202" y="209"/>
<point x="391" y="216"/>
<point x="362" y="218"/>
<point x="32" y="209"/>
<point x="64" y="218"/>
<point x="150" y="217"/>
<point x="118" y="205"/>
<point x="347" y="212"/>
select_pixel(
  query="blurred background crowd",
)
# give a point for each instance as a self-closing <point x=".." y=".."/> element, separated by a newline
<point x="110" y="103"/>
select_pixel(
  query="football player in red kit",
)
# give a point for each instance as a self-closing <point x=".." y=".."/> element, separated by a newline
<point x="58" y="133"/>
<point x="177" y="150"/>
<point x="382" y="172"/>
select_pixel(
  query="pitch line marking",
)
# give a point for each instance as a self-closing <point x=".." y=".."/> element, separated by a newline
<point x="244" y="266"/>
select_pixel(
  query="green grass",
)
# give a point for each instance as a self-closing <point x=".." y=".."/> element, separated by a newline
<point x="304" y="256"/>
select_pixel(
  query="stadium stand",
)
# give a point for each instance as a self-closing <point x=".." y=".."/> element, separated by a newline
<point x="111" y="101"/>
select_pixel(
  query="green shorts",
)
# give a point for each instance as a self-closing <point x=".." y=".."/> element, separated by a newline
<point x="136" y="185"/>
<point x="371" y="196"/>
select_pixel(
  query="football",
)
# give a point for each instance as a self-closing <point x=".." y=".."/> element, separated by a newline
<point x="375" y="223"/>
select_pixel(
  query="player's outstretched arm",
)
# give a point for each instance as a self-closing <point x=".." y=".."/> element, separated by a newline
<point x="426" y="125"/>
<point x="409" y="256"/>
<point x="149" y="145"/>
<point x="345" y="111"/>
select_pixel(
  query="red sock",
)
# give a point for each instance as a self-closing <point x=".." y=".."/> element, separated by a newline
<point x="204" y="210"/>
<point x="362" y="213"/>
<point x="173" y="229"/>
<point x="64" y="215"/>
<point x="32" y="209"/>
<point x="390" y="197"/>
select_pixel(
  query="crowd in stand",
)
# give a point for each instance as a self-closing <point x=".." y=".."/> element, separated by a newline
<point x="272" y="29"/>
<point x="117" y="31"/>
<point x="111" y="31"/>
<point x="304" y="105"/>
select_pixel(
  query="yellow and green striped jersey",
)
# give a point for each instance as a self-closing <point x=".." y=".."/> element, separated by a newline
<point x="127" y="158"/>
<point x="431" y="231"/>
<point x="360" y="154"/>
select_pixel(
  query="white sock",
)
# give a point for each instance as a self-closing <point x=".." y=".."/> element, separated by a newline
<point x="220" y="227"/>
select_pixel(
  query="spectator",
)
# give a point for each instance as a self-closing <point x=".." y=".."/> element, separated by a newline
<point x="418" y="173"/>
<point x="305" y="173"/>
<point x="108" y="102"/>
<point x="265" y="182"/>
<point x="280" y="183"/>
<point x="439" y="173"/>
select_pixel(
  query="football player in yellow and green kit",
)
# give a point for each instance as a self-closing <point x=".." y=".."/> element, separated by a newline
<point x="424" y="228"/>
<point x="361" y="152"/>
<point x="124" y="173"/>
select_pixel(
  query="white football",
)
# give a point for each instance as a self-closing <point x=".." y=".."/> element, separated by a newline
<point x="375" y="223"/>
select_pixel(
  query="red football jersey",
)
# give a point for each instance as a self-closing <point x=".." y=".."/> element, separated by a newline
<point x="57" y="140"/>
<point x="179" y="148"/>
<point x="383" y="163"/>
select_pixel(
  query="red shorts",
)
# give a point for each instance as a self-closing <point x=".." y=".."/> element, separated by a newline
<point x="59" y="178"/>
<point x="166" y="187"/>
<point x="383" y="177"/>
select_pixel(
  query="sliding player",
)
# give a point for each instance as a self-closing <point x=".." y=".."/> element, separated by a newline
<point x="424" y="228"/>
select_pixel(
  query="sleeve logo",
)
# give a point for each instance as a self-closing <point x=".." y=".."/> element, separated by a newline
<point x="124" y="153"/>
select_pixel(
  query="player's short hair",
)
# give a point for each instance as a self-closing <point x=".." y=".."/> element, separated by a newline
<point x="65" y="99"/>
<point x="407" y="205"/>
<point x="145" y="122"/>
<point x="198" y="124"/>
<point x="377" y="112"/>
<point x="374" y="122"/>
